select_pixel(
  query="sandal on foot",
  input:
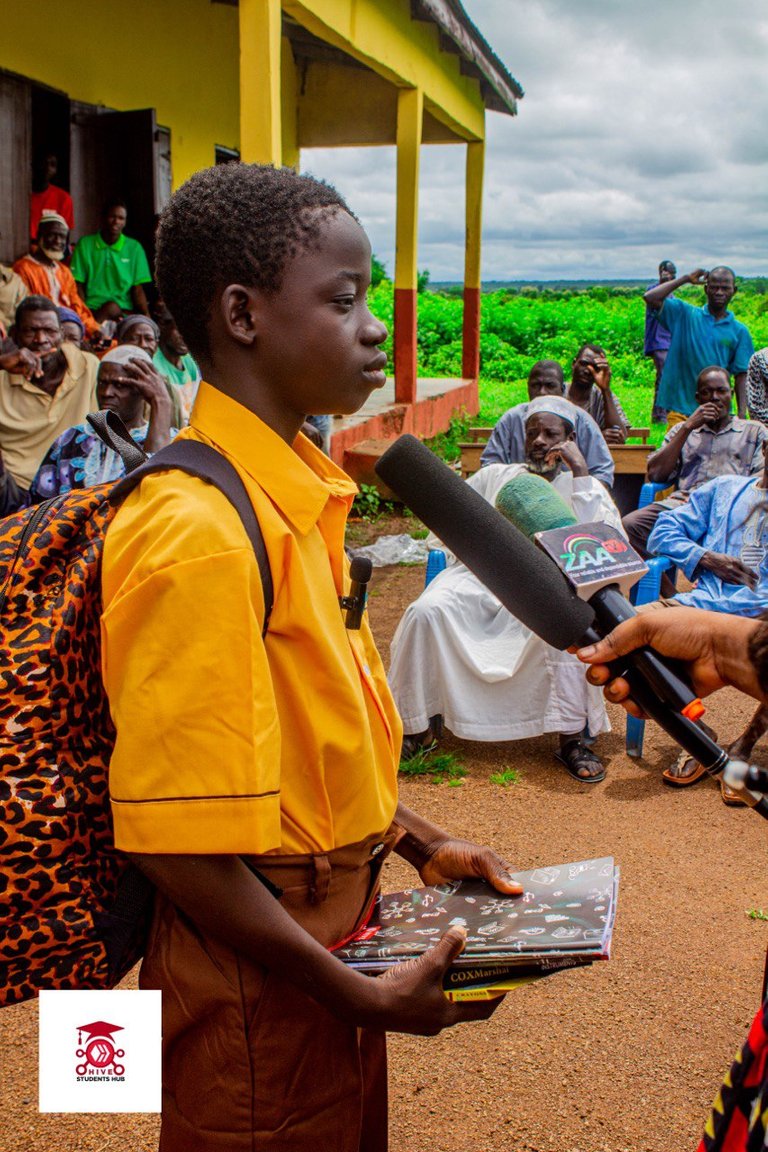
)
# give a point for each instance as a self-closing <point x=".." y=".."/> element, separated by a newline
<point x="575" y="755"/>
<point x="731" y="797"/>
<point x="417" y="743"/>
<point x="676" y="781"/>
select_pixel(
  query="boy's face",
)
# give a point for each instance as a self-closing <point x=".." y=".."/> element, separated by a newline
<point x="318" y="343"/>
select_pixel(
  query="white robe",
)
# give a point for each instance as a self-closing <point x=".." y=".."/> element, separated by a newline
<point x="459" y="654"/>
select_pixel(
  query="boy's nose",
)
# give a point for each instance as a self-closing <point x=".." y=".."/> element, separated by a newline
<point x="376" y="332"/>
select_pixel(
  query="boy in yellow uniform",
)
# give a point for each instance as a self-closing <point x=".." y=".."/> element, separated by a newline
<point x="254" y="779"/>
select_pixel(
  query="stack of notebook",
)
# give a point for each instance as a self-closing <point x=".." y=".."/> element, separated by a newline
<point x="564" y="919"/>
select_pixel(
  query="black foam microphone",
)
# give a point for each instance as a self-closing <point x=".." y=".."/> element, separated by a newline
<point x="360" y="569"/>
<point x="526" y="581"/>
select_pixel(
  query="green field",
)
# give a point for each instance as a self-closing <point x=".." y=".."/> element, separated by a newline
<point x="521" y="327"/>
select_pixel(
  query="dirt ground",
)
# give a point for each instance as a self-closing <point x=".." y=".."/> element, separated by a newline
<point x="622" y="1057"/>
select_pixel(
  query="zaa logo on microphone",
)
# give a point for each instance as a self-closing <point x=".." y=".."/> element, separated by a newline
<point x="583" y="552"/>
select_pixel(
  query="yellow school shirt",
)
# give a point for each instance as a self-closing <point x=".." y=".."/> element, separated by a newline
<point x="30" y="419"/>
<point x="226" y="743"/>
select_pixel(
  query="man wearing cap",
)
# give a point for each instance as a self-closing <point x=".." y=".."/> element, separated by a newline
<point x="46" y="386"/>
<point x="72" y="327"/>
<point x="459" y="655"/>
<point x="111" y="268"/>
<point x="45" y="274"/>
<point x="129" y="385"/>
<point x="506" y="444"/>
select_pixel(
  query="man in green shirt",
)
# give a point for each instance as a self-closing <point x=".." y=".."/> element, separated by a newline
<point x="174" y="361"/>
<point x="110" y="268"/>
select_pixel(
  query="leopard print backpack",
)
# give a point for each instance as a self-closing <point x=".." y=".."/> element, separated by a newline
<point x="73" y="911"/>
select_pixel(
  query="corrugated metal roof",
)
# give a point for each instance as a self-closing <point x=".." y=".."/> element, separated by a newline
<point x="458" y="33"/>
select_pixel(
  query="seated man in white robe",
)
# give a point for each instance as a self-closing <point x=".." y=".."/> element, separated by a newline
<point x="460" y="656"/>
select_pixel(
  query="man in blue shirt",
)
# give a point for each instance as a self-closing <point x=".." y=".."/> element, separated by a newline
<point x="507" y="442"/>
<point x="720" y="540"/>
<point x="700" y="337"/>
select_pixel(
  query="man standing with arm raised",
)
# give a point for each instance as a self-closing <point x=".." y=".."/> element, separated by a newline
<point x="710" y="334"/>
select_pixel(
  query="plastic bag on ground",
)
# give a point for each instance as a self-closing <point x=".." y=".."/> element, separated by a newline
<point x="402" y="549"/>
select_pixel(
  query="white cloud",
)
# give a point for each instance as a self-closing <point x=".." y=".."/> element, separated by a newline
<point x="640" y="137"/>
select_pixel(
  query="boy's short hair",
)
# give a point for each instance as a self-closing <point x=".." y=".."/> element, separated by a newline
<point x="233" y="224"/>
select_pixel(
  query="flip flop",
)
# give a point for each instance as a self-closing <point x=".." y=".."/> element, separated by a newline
<point x="731" y="797"/>
<point x="683" y="781"/>
<point x="576" y="754"/>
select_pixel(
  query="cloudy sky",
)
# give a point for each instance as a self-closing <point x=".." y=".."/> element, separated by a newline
<point x="642" y="135"/>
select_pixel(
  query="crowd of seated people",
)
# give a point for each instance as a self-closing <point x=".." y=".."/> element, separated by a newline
<point x="77" y="333"/>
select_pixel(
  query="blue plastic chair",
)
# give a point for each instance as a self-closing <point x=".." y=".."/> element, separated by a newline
<point x="436" y="562"/>
<point x="649" y="492"/>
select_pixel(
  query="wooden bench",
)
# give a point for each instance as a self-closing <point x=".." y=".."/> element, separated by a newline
<point x="472" y="449"/>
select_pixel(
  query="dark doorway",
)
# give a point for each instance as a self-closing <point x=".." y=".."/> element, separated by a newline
<point x="50" y="132"/>
<point x="15" y="165"/>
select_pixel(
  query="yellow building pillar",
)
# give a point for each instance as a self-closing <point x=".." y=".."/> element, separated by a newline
<point x="260" y="119"/>
<point x="470" y="358"/>
<point x="410" y="112"/>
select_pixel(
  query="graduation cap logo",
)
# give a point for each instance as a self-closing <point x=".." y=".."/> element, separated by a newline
<point x="98" y="1050"/>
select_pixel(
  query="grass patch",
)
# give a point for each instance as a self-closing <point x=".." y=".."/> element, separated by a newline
<point x="369" y="505"/>
<point x="440" y="766"/>
<point x="757" y="914"/>
<point x="505" y="778"/>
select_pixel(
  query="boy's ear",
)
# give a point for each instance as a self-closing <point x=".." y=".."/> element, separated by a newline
<point x="240" y="311"/>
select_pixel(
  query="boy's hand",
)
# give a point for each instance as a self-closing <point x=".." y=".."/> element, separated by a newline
<point x="411" y="997"/>
<point x="461" y="860"/>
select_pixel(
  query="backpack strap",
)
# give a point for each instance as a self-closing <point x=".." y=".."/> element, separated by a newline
<point x="110" y="428"/>
<point x="207" y="464"/>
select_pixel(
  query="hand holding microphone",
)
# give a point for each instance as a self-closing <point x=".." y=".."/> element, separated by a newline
<point x="713" y="646"/>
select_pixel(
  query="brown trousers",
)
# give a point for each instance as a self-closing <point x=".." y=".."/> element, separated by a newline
<point x="250" y="1063"/>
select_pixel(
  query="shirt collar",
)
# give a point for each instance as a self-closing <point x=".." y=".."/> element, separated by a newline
<point x="728" y="427"/>
<point x="118" y="245"/>
<point x="298" y="478"/>
<point x="706" y="311"/>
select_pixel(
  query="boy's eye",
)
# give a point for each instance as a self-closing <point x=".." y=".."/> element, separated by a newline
<point x="346" y="301"/>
